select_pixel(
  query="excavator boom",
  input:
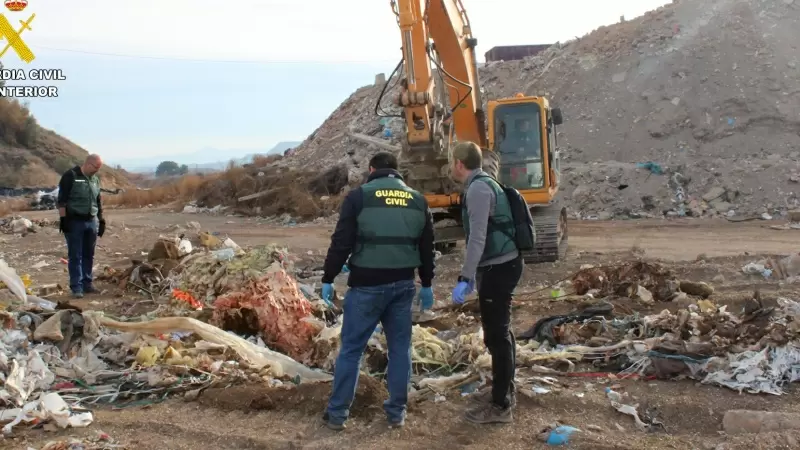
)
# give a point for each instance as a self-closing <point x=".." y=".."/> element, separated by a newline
<point x="444" y="22"/>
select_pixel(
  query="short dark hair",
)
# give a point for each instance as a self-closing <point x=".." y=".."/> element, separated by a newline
<point x="383" y="160"/>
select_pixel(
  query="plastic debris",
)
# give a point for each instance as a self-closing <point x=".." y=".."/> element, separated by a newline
<point x="631" y="411"/>
<point x="557" y="435"/>
<point x="654" y="168"/>
<point x="755" y="268"/>
<point x="11" y="281"/>
<point x="765" y="371"/>
<point x="184" y="247"/>
<point x="256" y="356"/>
<point x="275" y="309"/>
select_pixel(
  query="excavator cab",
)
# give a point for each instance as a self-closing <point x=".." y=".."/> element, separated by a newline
<point x="522" y="153"/>
<point x="522" y="137"/>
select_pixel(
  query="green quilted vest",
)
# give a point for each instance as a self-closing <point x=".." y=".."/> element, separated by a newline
<point x="83" y="196"/>
<point x="389" y="226"/>
<point x="500" y="231"/>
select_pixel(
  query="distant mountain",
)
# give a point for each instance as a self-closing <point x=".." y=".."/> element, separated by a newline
<point x="281" y="147"/>
<point x="206" y="159"/>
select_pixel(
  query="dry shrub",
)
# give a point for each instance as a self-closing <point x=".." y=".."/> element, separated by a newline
<point x="301" y="194"/>
<point x="261" y="161"/>
<point x="298" y="193"/>
<point x="12" y="205"/>
<point x="295" y="201"/>
<point x="330" y="182"/>
<point x="17" y="125"/>
<point x="185" y="188"/>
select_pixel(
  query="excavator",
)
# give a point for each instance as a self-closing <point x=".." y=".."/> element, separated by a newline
<point x="441" y="100"/>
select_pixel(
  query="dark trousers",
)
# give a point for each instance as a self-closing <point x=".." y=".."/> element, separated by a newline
<point x="81" y="240"/>
<point x="496" y="285"/>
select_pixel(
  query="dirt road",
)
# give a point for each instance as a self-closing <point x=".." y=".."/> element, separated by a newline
<point x="256" y="418"/>
<point x="673" y="240"/>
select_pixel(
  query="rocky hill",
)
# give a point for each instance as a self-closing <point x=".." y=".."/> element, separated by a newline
<point x="692" y="109"/>
<point x="32" y="156"/>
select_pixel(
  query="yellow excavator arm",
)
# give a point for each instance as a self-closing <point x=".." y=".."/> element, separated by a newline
<point x="437" y="33"/>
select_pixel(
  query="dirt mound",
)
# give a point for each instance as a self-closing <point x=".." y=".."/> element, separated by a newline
<point x="688" y="110"/>
<point x="329" y="145"/>
<point x="304" y="398"/>
<point x="43" y="162"/>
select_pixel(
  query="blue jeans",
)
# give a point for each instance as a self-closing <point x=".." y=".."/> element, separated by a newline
<point x="364" y="308"/>
<point x="81" y="239"/>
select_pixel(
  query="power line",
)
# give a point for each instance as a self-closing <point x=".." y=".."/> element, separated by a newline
<point x="216" y="61"/>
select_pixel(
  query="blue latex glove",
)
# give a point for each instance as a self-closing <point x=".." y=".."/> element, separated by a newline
<point x="426" y="298"/>
<point x="560" y="436"/>
<point x="345" y="269"/>
<point x="327" y="293"/>
<point x="461" y="291"/>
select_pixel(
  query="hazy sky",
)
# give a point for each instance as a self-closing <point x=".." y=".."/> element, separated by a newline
<point x="243" y="74"/>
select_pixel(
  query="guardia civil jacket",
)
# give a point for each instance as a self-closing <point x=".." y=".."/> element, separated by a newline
<point x="384" y="234"/>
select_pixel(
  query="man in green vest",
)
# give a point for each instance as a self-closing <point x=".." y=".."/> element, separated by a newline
<point x="385" y="228"/>
<point x="495" y="265"/>
<point x="81" y="221"/>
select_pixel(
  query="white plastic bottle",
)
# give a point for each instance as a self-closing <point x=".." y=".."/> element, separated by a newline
<point x="614" y="396"/>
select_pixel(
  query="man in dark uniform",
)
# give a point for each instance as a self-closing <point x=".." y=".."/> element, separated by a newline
<point x="81" y="221"/>
<point x="386" y="230"/>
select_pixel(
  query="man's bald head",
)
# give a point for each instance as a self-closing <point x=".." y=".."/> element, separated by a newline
<point x="92" y="164"/>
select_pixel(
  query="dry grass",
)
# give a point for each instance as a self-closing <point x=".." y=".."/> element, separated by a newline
<point x="12" y="205"/>
<point x="185" y="188"/>
<point x="17" y="125"/>
<point x="302" y="194"/>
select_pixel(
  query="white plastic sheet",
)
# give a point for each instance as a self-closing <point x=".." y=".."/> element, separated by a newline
<point x="12" y="281"/>
<point x="765" y="371"/>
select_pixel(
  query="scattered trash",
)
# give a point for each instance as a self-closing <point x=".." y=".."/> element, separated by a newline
<point x="186" y="297"/>
<point x="272" y="307"/>
<point x="40" y="265"/>
<point x="225" y="254"/>
<point x="631" y="411"/>
<point x="184" y="247"/>
<point x="626" y="279"/>
<point x="259" y="357"/>
<point x="757" y="269"/>
<point x="265" y="326"/>
<point x="612" y="395"/>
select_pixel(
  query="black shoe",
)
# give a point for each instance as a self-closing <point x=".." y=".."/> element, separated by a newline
<point x="90" y="290"/>
<point x="331" y="425"/>
<point x="77" y="295"/>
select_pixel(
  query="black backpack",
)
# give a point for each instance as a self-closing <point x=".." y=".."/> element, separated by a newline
<point x="524" y="231"/>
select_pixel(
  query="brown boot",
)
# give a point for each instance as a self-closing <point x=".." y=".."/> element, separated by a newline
<point x="489" y="413"/>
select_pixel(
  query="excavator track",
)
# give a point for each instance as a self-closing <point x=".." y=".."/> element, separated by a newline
<point x="550" y="223"/>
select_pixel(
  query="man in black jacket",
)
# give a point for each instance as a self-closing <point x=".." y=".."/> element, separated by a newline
<point x="81" y="221"/>
<point x="385" y="228"/>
